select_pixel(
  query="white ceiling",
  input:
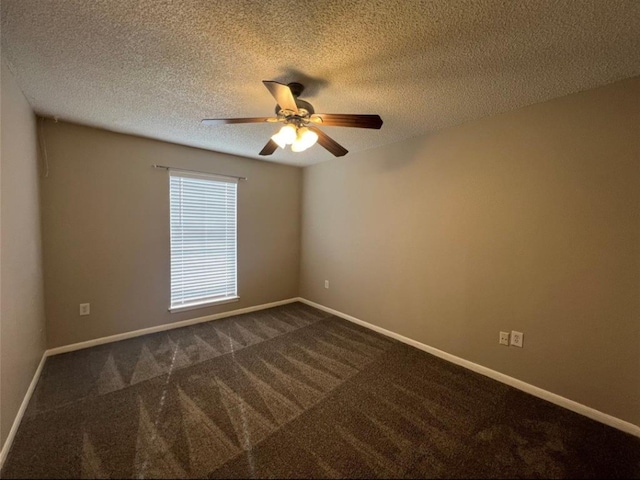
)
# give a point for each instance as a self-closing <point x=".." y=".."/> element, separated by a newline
<point x="155" y="68"/>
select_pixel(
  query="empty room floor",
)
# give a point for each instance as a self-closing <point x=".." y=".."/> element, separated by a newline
<point x="295" y="392"/>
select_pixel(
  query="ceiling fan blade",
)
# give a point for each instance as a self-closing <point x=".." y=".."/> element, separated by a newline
<point x="269" y="148"/>
<point x="226" y="121"/>
<point x="347" y="120"/>
<point x="329" y="143"/>
<point x="282" y="94"/>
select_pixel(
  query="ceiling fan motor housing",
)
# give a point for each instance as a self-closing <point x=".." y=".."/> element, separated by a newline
<point x="296" y="89"/>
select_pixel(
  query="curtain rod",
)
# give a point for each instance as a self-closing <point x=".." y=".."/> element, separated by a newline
<point x="197" y="171"/>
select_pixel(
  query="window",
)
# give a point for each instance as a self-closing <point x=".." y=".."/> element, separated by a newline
<point x="203" y="239"/>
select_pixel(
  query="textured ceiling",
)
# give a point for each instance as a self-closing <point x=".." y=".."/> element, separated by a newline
<point x="156" y="68"/>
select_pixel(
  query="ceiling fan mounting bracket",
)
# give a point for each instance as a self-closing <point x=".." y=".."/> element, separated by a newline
<point x="296" y="88"/>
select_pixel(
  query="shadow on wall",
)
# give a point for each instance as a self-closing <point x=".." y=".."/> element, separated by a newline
<point x="413" y="150"/>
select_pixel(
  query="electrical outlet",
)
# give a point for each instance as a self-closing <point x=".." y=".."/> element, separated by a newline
<point x="85" y="309"/>
<point x="504" y="338"/>
<point x="326" y="284"/>
<point x="517" y="338"/>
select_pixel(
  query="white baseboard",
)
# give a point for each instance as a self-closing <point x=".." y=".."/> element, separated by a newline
<point x="162" y="328"/>
<point x="23" y="408"/>
<point x="501" y="377"/>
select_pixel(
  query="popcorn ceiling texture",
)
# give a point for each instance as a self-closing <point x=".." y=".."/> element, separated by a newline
<point x="156" y="68"/>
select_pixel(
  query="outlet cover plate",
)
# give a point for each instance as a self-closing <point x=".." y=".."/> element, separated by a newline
<point x="517" y="338"/>
<point x="85" y="309"/>
<point x="504" y="338"/>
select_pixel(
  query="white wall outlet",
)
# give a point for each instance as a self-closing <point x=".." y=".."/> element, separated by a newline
<point x="326" y="284"/>
<point x="85" y="309"/>
<point x="504" y="338"/>
<point x="517" y="338"/>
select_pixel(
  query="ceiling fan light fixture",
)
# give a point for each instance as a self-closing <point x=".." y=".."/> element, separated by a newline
<point x="297" y="147"/>
<point x="288" y="134"/>
<point x="306" y="138"/>
<point x="279" y="140"/>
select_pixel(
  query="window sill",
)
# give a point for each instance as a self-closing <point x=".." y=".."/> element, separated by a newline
<point x="211" y="303"/>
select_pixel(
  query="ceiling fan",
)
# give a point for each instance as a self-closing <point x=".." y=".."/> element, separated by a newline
<point x="300" y="121"/>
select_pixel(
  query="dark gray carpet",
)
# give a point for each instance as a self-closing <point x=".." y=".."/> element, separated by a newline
<point x="295" y="392"/>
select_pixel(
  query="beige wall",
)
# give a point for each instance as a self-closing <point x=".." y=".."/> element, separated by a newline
<point x="106" y="231"/>
<point x="22" y="339"/>
<point x="525" y="221"/>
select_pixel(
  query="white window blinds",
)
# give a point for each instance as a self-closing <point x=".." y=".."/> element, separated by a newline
<point x="203" y="239"/>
